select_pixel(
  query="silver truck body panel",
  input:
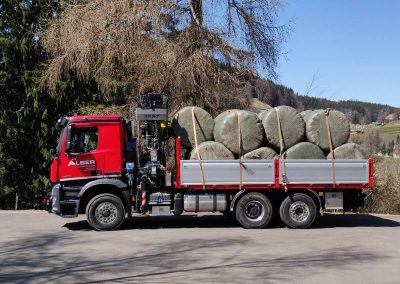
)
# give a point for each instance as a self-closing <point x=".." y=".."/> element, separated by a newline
<point x="263" y="172"/>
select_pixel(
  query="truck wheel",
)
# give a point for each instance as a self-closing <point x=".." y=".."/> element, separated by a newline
<point x="254" y="211"/>
<point x="298" y="211"/>
<point x="105" y="212"/>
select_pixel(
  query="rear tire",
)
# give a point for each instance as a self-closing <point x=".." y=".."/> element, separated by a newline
<point x="105" y="212"/>
<point x="254" y="211"/>
<point x="298" y="211"/>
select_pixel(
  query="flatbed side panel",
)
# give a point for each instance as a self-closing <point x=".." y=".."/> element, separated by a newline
<point x="177" y="163"/>
<point x="227" y="172"/>
<point x="320" y="172"/>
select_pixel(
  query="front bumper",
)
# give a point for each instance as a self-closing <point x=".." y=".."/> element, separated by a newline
<point x="65" y="208"/>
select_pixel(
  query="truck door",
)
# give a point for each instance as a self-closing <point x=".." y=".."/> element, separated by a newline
<point x="85" y="159"/>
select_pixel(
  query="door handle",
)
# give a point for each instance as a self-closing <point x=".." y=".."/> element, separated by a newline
<point x="95" y="173"/>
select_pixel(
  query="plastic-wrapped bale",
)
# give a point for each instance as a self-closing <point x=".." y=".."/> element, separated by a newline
<point x="226" y="131"/>
<point x="182" y="126"/>
<point x="223" y="114"/>
<point x="304" y="114"/>
<point x="211" y="150"/>
<point x="292" y="125"/>
<point x="305" y="150"/>
<point x="349" y="151"/>
<point x="263" y="153"/>
<point x="262" y="114"/>
<point x="317" y="132"/>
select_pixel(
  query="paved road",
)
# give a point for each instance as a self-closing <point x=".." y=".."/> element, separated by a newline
<point x="37" y="247"/>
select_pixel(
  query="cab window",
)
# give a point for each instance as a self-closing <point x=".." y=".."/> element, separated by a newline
<point x="84" y="139"/>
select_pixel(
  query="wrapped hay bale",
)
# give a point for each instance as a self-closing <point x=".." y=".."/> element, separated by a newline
<point x="211" y="150"/>
<point x="305" y="150"/>
<point x="349" y="151"/>
<point x="263" y="153"/>
<point x="262" y="114"/>
<point x="304" y="114"/>
<point x="226" y="131"/>
<point x="182" y="126"/>
<point x="223" y="114"/>
<point x="317" y="132"/>
<point x="293" y="127"/>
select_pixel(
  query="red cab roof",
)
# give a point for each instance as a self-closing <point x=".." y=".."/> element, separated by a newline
<point x="111" y="117"/>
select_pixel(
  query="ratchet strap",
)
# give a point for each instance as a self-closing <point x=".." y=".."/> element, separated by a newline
<point x="281" y="150"/>
<point x="332" y="155"/>
<point x="240" y="151"/>
<point x="197" y="150"/>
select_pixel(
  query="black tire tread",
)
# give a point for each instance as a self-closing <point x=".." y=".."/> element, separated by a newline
<point x="105" y="197"/>
<point x="283" y="212"/>
<point x="239" y="212"/>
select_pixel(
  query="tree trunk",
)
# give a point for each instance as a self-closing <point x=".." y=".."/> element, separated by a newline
<point x="196" y="8"/>
<point x="16" y="201"/>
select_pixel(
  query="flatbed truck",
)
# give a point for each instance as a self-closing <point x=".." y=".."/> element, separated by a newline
<point x="100" y="170"/>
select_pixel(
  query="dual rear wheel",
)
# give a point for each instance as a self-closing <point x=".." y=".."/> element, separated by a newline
<point x="298" y="211"/>
<point x="254" y="210"/>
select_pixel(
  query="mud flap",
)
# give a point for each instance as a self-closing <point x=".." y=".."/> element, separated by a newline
<point x="55" y="199"/>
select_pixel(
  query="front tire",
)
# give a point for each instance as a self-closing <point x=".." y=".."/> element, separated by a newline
<point x="105" y="212"/>
<point x="298" y="211"/>
<point x="254" y="211"/>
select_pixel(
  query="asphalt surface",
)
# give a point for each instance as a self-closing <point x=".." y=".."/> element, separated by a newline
<point x="37" y="247"/>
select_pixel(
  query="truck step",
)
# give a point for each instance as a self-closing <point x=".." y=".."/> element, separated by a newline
<point x="69" y="208"/>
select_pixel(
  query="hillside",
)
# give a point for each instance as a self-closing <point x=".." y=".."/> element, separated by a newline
<point x="358" y="112"/>
<point x="390" y="131"/>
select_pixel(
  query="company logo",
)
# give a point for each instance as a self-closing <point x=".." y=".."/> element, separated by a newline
<point x="81" y="163"/>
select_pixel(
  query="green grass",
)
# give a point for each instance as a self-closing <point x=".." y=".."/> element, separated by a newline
<point x="389" y="132"/>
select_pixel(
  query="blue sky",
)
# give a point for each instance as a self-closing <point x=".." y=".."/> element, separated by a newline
<point x="350" y="47"/>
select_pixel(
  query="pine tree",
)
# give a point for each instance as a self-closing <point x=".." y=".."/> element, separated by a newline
<point x="28" y="114"/>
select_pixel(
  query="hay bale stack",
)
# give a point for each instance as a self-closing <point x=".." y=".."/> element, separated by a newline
<point x="349" y="151"/>
<point x="211" y="150"/>
<point x="263" y="153"/>
<point x="226" y="131"/>
<point x="293" y="126"/>
<point x="305" y="150"/>
<point x="182" y="126"/>
<point x="317" y="132"/>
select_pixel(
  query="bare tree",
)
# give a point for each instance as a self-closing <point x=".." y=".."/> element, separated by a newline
<point x="382" y="114"/>
<point x="201" y="52"/>
<point x="372" y="141"/>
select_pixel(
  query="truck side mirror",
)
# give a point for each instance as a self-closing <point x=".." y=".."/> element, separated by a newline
<point x="68" y="146"/>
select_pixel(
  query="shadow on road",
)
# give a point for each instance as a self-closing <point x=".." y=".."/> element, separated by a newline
<point x="219" y="221"/>
<point x="39" y="259"/>
<point x="354" y="220"/>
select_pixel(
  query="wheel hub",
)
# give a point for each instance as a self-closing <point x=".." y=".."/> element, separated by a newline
<point x="106" y="212"/>
<point x="299" y="211"/>
<point x="254" y="210"/>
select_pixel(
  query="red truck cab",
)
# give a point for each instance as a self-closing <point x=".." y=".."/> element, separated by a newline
<point x="89" y="159"/>
<point x="96" y="149"/>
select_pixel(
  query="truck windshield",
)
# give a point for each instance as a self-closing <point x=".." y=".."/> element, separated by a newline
<point x="59" y="141"/>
